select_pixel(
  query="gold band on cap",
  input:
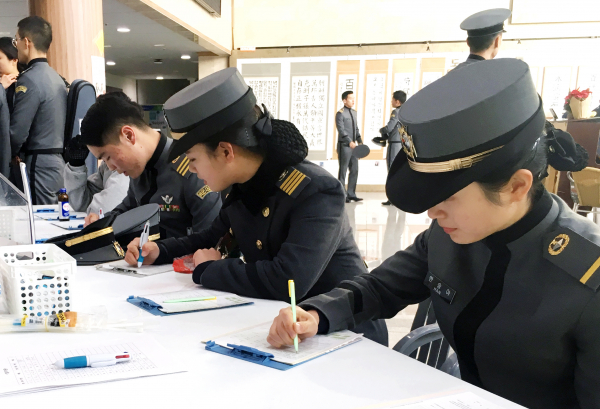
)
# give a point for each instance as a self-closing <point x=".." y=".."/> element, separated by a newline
<point x="450" y="165"/>
<point x="154" y="237"/>
<point x="89" y="236"/>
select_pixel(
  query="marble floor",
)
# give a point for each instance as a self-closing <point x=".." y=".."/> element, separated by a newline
<point x="380" y="231"/>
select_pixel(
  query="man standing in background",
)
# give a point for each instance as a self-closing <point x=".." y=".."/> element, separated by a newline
<point x="484" y="30"/>
<point x="348" y="138"/>
<point x="391" y="133"/>
<point x="37" y="125"/>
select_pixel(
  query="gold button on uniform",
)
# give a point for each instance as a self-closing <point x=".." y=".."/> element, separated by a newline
<point x="266" y="212"/>
<point x="259" y="244"/>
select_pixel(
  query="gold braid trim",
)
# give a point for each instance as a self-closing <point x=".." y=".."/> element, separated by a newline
<point x="450" y="165"/>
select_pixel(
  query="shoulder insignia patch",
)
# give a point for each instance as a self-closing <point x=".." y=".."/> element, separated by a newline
<point x="203" y="192"/>
<point x="393" y="115"/>
<point x="574" y="254"/>
<point x="292" y="181"/>
<point x="21" y="88"/>
<point x="182" y="166"/>
<point x="341" y="111"/>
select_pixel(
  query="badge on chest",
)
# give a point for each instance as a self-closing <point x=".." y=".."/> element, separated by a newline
<point x="439" y="287"/>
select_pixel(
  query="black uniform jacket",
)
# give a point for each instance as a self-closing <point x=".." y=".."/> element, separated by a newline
<point x="520" y="308"/>
<point x="290" y="224"/>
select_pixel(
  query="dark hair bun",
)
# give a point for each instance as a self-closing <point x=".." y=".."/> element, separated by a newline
<point x="285" y="145"/>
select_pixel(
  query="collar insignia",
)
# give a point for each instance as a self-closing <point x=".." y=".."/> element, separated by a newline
<point x="557" y="245"/>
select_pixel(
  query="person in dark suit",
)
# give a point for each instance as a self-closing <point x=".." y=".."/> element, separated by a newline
<point x="285" y="214"/>
<point x="512" y="272"/>
<point x="484" y="30"/>
<point x="348" y="139"/>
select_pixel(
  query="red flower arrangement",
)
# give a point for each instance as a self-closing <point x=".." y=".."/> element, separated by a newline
<point x="580" y="95"/>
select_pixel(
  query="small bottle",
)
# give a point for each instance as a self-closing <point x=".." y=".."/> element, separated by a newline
<point x="63" y="202"/>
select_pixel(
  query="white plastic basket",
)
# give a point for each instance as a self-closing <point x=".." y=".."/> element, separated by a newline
<point x="37" y="279"/>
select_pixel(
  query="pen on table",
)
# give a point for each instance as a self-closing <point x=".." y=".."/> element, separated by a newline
<point x="292" y="289"/>
<point x="143" y="240"/>
<point x="191" y="299"/>
<point x="94" y="361"/>
<point x="100" y="214"/>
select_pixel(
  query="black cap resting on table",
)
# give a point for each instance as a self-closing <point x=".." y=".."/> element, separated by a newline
<point x="207" y="107"/>
<point x="95" y="244"/>
<point x="485" y="22"/>
<point x="462" y="127"/>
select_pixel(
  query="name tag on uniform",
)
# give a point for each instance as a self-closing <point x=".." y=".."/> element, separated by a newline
<point x="438" y="286"/>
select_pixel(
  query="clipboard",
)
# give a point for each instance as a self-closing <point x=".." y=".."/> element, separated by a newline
<point x="152" y="304"/>
<point x="254" y="337"/>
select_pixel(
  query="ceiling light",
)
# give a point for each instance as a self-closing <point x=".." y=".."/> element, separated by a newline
<point x="159" y="78"/>
<point x="185" y="57"/>
<point x="123" y="30"/>
<point x="158" y="61"/>
<point x="107" y="46"/>
<point x="159" y="45"/>
<point x="110" y="63"/>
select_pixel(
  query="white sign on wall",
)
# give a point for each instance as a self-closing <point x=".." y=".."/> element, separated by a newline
<point x="346" y="82"/>
<point x="374" y="106"/>
<point x="589" y="77"/>
<point x="429" y="77"/>
<point x="404" y="81"/>
<point x="557" y="83"/>
<point x="308" y="109"/>
<point x="98" y="75"/>
<point x="266" y="90"/>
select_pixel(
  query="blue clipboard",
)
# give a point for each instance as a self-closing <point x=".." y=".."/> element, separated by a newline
<point x="153" y="308"/>
<point x="248" y="354"/>
<point x="256" y="356"/>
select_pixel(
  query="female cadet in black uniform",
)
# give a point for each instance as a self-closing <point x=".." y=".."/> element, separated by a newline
<point x="286" y="215"/>
<point x="510" y="269"/>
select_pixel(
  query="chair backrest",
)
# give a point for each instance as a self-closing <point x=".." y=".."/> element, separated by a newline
<point x="587" y="185"/>
<point x="551" y="181"/>
<point x="433" y="352"/>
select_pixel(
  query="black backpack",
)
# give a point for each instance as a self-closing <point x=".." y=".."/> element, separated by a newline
<point x="81" y="97"/>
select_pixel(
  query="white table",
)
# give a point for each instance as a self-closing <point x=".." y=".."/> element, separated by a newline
<point x="359" y="375"/>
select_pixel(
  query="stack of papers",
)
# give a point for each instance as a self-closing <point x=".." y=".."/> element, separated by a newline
<point x="256" y="337"/>
<point x="25" y="372"/>
<point x="465" y="400"/>
<point x="122" y="267"/>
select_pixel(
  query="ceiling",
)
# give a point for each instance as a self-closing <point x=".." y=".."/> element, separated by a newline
<point x="133" y="52"/>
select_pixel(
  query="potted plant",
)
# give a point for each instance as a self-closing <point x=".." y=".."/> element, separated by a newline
<point x="577" y="104"/>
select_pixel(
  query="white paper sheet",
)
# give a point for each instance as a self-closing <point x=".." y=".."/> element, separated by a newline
<point x="256" y="337"/>
<point x="223" y="300"/>
<point x="23" y="371"/>
<point x="466" y="400"/>
<point x="146" y="270"/>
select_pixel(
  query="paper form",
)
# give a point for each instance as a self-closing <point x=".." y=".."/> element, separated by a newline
<point x="256" y="337"/>
<point x="146" y="270"/>
<point x="223" y="300"/>
<point x="21" y="371"/>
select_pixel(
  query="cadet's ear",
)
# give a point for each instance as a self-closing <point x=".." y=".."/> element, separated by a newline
<point x="127" y="135"/>
<point x="519" y="186"/>
<point x="226" y="149"/>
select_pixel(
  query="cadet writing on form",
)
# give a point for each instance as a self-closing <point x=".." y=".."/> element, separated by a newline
<point x="511" y="270"/>
<point x="285" y="214"/>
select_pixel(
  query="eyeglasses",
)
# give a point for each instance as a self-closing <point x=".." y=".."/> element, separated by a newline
<point x="15" y="40"/>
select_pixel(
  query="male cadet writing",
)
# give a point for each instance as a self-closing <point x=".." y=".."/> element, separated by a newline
<point x="37" y="125"/>
<point x="484" y="30"/>
<point x="348" y="138"/>
<point x="285" y="214"/>
<point x="114" y="130"/>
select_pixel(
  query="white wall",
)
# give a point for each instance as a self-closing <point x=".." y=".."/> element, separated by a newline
<point x="214" y="33"/>
<point x="282" y="23"/>
<point x="209" y="65"/>
<point x="128" y="85"/>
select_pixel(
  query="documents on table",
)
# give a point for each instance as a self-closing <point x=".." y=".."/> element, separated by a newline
<point x="310" y="348"/>
<point x="75" y="225"/>
<point x="24" y="371"/>
<point x="123" y="267"/>
<point x="465" y="400"/>
<point x="157" y="305"/>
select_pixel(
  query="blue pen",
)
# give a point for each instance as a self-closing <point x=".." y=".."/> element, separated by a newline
<point x="45" y="211"/>
<point x="143" y="240"/>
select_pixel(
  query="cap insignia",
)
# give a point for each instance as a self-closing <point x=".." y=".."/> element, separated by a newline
<point x="407" y="144"/>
